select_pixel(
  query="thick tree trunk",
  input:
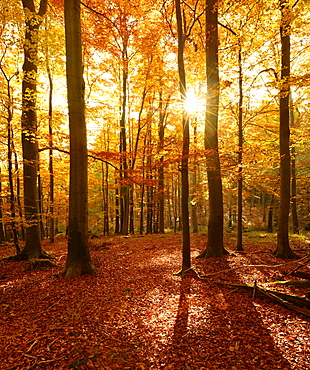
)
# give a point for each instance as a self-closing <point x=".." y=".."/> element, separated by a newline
<point x="32" y="248"/>
<point x="283" y="247"/>
<point x="214" y="246"/>
<point x="78" y="260"/>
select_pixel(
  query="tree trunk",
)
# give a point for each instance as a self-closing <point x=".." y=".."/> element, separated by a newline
<point x="40" y="203"/>
<point x="51" y="216"/>
<point x="10" y="170"/>
<point x="214" y="246"/>
<point x="78" y="260"/>
<point x="124" y="190"/>
<point x="11" y="185"/>
<point x="2" y="233"/>
<point x="32" y="248"/>
<point x="161" y="176"/>
<point x="194" y="186"/>
<point x="239" y="246"/>
<point x="186" y="259"/>
<point x="270" y="214"/>
<point x="293" y="170"/>
<point x="283" y="247"/>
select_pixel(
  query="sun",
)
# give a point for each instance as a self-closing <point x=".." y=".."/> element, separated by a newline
<point x="193" y="104"/>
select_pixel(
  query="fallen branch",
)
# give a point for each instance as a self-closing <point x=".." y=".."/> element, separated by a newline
<point x="285" y="303"/>
<point x="298" y="283"/>
<point x="298" y="267"/>
<point x="287" y="300"/>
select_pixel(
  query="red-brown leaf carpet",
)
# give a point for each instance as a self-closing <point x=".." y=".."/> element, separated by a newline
<point x="135" y="314"/>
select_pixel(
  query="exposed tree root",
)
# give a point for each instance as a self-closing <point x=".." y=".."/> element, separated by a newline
<point x="39" y="264"/>
<point x="23" y="256"/>
<point x="207" y="253"/>
<point x="286" y="255"/>
<point x="182" y="273"/>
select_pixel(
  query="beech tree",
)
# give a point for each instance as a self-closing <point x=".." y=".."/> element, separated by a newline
<point x="186" y="261"/>
<point x="78" y="259"/>
<point x="214" y="247"/>
<point x="283" y="247"/>
<point x="33" y="20"/>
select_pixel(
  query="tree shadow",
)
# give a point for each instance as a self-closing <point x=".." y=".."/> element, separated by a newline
<point x="220" y="331"/>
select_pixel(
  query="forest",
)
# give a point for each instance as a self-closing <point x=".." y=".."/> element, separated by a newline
<point x="154" y="184"/>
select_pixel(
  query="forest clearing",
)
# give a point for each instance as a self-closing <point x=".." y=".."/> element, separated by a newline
<point x="134" y="313"/>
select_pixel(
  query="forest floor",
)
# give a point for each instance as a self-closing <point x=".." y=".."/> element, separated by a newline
<point x="136" y="314"/>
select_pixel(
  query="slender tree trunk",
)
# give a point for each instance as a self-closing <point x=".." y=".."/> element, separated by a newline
<point x="123" y="149"/>
<point x="117" y="229"/>
<point x="215" y="247"/>
<point x="270" y="215"/>
<point x="194" y="186"/>
<point x="18" y="195"/>
<point x="10" y="169"/>
<point x="294" y="192"/>
<point x="51" y="216"/>
<point x="2" y="233"/>
<point x="161" y="176"/>
<point x="40" y="203"/>
<point x="78" y="259"/>
<point x="186" y="259"/>
<point x="32" y="248"/>
<point x="294" y="178"/>
<point x="11" y="185"/>
<point x="283" y="247"/>
<point x="240" y="153"/>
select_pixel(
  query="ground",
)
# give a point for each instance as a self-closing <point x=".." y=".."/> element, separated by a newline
<point x="136" y="314"/>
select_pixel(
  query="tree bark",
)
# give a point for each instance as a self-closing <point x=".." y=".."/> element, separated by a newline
<point x="270" y="214"/>
<point x="294" y="179"/>
<point x="186" y="260"/>
<point x="2" y="233"/>
<point x="161" y="175"/>
<point x="32" y="248"/>
<point x="283" y="249"/>
<point x="215" y="247"/>
<point x="51" y="216"/>
<point x="239" y="246"/>
<point x="78" y="259"/>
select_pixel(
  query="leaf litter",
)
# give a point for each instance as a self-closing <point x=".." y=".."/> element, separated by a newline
<point x="135" y="314"/>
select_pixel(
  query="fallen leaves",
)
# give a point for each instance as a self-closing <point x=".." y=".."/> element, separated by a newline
<point x="135" y="314"/>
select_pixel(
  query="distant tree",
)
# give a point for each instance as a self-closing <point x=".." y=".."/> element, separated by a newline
<point x="78" y="259"/>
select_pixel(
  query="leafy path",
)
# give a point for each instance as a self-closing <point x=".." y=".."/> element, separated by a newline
<point x="135" y="314"/>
